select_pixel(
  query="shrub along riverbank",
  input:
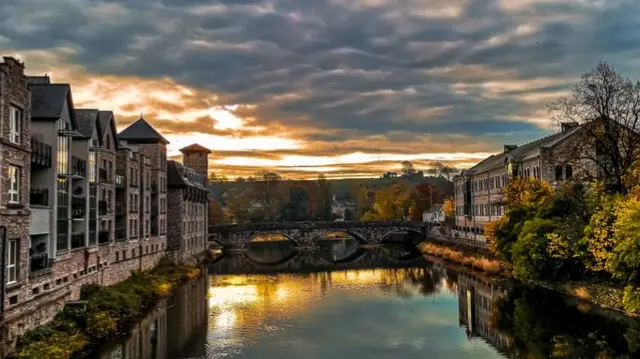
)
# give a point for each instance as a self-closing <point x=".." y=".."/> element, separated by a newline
<point x="108" y="313"/>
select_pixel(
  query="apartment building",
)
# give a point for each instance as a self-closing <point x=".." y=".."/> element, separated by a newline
<point x="188" y="203"/>
<point x="478" y="190"/>
<point x="80" y="202"/>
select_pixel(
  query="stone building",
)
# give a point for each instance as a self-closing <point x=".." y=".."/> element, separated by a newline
<point x="478" y="189"/>
<point x="80" y="203"/>
<point x="15" y="165"/>
<point x="188" y="204"/>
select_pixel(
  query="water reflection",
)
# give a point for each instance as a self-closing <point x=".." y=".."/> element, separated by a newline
<point x="422" y="310"/>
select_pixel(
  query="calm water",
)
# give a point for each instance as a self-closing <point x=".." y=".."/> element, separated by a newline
<point x="342" y="302"/>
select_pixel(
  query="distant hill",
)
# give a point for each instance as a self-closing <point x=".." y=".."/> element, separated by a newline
<point x="341" y="187"/>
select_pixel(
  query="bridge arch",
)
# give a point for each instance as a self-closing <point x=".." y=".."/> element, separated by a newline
<point x="404" y="231"/>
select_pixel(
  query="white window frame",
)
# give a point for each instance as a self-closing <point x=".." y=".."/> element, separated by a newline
<point x="12" y="263"/>
<point x="14" y="184"/>
<point x="15" y="124"/>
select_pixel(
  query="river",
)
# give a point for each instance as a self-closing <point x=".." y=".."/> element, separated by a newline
<point x="341" y="301"/>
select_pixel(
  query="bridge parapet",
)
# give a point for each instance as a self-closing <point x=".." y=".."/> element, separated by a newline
<point x="308" y="233"/>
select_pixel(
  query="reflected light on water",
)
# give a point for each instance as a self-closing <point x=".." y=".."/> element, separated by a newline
<point x="232" y="295"/>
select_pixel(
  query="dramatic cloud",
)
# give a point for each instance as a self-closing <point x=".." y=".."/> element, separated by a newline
<point x="301" y="85"/>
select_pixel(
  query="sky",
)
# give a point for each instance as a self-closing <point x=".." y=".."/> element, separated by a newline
<point x="348" y="88"/>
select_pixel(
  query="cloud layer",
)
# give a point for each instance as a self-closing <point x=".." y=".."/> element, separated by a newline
<point x="284" y="82"/>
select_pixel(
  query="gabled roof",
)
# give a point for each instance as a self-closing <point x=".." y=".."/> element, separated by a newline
<point x="47" y="100"/>
<point x="105" y="120"/>
<point x="141" y="132"/>
<point x="520" y="153"/>
<point x="86" y="119"/>
<point x="195" y="148"/>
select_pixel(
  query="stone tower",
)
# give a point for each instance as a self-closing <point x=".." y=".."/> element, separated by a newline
<point x="197" y="158"/>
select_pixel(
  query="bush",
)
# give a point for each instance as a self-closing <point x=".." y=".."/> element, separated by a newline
<point x="109" y="310"/>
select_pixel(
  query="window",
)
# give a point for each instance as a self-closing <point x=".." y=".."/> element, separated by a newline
<point x="12" y="261"/>
<point x="108" y="141"/>
<point x="558" y="173"/>
<point x="63" y="148"/>
<point x="92" y="167"/>
<point x="15" y="125"/>
<point x="568" y="172"/>
<point x="14" y="184"/>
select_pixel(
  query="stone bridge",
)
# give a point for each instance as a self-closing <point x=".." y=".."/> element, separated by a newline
<point x="307" y="234"/>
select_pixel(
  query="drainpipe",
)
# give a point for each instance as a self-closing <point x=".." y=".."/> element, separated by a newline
<point x="4" y="267"/>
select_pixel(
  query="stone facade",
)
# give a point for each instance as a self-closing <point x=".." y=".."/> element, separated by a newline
<point x="478" y="191"/>
<point x="307" y="234"/>
<point x="84" y="206"/>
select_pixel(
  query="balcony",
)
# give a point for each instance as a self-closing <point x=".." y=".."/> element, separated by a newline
<point x="121" y="182"/>
<point x="121" y="209"/>
<point x="77" y="240"/>
<point x="78" y="207"/>
<point x="104" y="176"/>
<point x="39" y="263"/>
<point x="39" y="196"/>
<point x="121" y="234"/>
<point x="102" y="208"/>
<point x="41" y="154"/>
<point x="78" y="166"/>
<point x="103" y="237"/>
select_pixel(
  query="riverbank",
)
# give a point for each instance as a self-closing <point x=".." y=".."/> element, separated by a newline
<point x="102" y="313"/>
<point x="603" y="294"/>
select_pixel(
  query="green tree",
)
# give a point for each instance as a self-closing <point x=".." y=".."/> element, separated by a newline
<point x="297" y="207"/>
<point x="325" y="199"/>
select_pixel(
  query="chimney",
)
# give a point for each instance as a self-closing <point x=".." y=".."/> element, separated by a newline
<point x="565" y="126"/>
<point x="508" y="148"/>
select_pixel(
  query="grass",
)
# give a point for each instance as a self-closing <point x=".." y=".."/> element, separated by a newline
<point x="465" y="257"/>
<point x="108" y="313"/>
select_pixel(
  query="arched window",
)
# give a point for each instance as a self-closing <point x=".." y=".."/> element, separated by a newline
<point x="108" y="141"/>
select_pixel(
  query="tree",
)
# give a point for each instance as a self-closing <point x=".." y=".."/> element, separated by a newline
<point x="449" y="208"/>
<point x="297" y="207"/>
<point x="325" y="199"/>
<point x="268" y="191"/>
<point x="437" y="168"/>
<point x="216" y="214"/>
<point x="215" y="178"/>
<point x="425" y="196"/>
<point x="239" y="203"/>
<point x="391" y="202"/>
<point x="607" y="106"/>
<point x="407" y="168"/>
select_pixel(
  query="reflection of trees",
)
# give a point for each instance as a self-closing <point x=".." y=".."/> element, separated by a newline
<point x="544" y="326"/>
<point x="407" y="282"/>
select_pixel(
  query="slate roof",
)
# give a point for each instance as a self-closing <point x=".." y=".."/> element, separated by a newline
<point x="47" y="100"/>
<point x="141" y="131"/>
<point x="106" y="119"/>
<point x="178" y="176"/>
<point x="38" y="80"/>
<point x="195" y="148"/>
<point x="86" y="119"/>
<point x="520" y="153"/>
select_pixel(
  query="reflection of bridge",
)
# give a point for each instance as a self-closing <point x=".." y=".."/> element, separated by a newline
<point x="312" y="261"/>
<point x="306" y="234"/>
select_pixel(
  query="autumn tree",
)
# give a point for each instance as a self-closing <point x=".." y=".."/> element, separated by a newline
<point x="607" y="106"/>
<point x="216" y="214"/>
<point x="449" y="207"/>
<point x="239" y="203"/>
<point x="297" y="207"/>
<point x="391" y="202"/>
<point x="425" y="196"/>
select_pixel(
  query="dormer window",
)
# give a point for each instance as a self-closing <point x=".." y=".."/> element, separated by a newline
<point x="15" y="124"/>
